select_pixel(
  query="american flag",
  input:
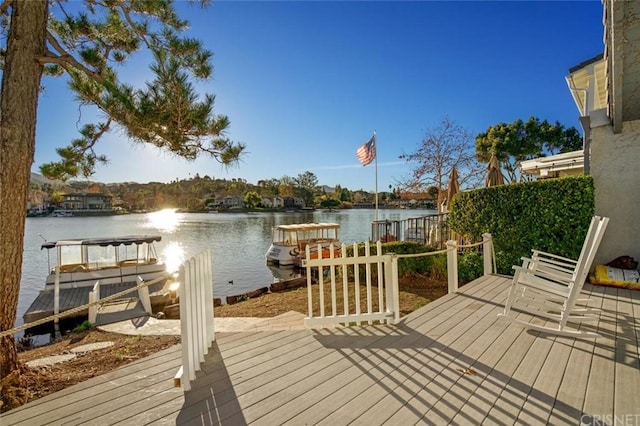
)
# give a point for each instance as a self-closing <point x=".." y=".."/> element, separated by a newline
<point x="367" y="151"/>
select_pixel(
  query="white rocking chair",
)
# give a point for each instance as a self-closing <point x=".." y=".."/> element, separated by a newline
<point x="548" y="287"/>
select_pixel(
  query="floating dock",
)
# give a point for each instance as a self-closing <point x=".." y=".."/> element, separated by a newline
<point x="71" y="298"/>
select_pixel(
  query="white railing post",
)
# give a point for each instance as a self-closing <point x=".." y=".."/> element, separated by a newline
<point x="395" y="288"/>
<point x="193" y="316"/>
<point x="309" y="282"/>
<point x="381" y="285"/>
<point x="143" y="295"/>
<point x="199" y="309"/>
<point x="187" y="369"/>
<point x="196" y="315"/>
<point x="356" y="278"/>
<point x="211" y="335"/>
<point x="487" y="254"/>
<point x="56" y="293"/>
<point x="452" y="265"/>
<point x="345" y="280"/>
<point x="94" y="296"/>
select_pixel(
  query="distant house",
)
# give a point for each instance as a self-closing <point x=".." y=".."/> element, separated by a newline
<point x="86" y="201"/>
<point x="233" y="202"/>
<point x="272" y="202"/>
<point x="293" y="203"/>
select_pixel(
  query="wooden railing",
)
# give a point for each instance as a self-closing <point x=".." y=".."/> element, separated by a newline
<point x="196" y="315"/>
<point x="359" y="304"/>
<point x="339" y="277"/>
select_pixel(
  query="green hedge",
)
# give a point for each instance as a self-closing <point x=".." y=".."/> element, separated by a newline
<point x="551" y="215"/>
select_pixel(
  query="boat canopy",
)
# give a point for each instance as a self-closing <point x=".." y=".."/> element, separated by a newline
<point x="103" y="242"/>
<point x="308" y="226"/>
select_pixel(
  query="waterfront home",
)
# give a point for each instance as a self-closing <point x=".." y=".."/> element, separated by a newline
<point x="86" y="201"/>
<point x="273" y="202"/>
<point x="233" y="202"/>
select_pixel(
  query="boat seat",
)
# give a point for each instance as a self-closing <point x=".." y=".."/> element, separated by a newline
<point x="73" y="267"/>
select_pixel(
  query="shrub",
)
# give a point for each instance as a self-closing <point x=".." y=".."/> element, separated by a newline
<point x="86" y="325"/>
<point x="470" y="266"/>
<point x="551" y="215"/>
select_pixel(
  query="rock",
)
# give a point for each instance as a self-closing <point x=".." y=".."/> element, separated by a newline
<point x="50" y="360"/>
<point x="91" y="347"/>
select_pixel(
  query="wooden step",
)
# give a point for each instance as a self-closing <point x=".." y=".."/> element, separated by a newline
<point x="120" y="310"/>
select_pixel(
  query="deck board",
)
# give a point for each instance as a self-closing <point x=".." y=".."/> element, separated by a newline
<point x="626" y="355"/>
<point x="572" y="390"/>
<point x="601" y="387"/>
<point x="418" y="371"/>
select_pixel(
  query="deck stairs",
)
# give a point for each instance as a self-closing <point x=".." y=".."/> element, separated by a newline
<point x="119" y="310"/>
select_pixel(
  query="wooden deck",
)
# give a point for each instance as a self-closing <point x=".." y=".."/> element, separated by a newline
<point x="451" y="362"/>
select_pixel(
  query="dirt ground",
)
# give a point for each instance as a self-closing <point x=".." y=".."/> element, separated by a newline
<point x="28" y="384"/>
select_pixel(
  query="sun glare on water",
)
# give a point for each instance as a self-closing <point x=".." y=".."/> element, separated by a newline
<point x="166" y="220"/>
<point x="173" y="256"/>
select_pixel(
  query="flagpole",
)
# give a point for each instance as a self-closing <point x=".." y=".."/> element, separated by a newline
<point x="376" y="145"/>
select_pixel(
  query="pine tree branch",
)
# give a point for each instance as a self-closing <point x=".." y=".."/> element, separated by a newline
<point x="134" y="27"/>
<point x="66" y="60"/>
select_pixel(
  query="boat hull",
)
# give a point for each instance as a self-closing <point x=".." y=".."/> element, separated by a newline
<point x="282" y="255"/>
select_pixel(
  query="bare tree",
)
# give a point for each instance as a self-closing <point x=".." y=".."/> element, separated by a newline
<point x="443" y="147"/>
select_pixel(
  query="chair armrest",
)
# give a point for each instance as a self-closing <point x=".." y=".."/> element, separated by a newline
<point x="558" y="277"/>
<point x="540" y="253"/>
<point x="541" y="263"/>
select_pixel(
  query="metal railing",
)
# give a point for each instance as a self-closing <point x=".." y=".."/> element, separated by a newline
<point x="431" y="230"/>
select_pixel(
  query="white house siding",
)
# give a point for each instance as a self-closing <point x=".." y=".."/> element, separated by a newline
<point x="615" y="167"/>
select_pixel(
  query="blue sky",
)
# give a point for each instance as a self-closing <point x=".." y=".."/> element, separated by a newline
<point x="305" y="83"/>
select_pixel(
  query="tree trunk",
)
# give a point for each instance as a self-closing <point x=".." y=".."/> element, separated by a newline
<point x="18" y="108"/>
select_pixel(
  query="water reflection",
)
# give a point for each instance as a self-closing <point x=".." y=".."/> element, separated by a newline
<point x="282" y="273"/>
<point x="173" y="256"/>
<point x="166" y="220"/>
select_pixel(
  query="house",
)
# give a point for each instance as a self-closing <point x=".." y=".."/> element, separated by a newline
<point x="273" y="203"/>
<point x="605" y="90"/>
<point x="86" y="201"/>
<point x="554" y="166"/>
<point x="293" y="203"/>
<point x="233" y="202"/>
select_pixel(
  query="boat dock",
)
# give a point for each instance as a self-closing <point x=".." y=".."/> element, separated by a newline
<point x="71" y="298"/>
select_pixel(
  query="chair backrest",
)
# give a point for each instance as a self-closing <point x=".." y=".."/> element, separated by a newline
<point x="588" y="242"/>
<point x="589" y="249"/>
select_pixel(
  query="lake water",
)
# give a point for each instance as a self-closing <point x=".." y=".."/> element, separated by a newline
<point x="238" y="241"/>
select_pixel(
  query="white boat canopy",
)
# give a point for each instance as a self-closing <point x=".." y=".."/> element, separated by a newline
<point x="103" y="242"/>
